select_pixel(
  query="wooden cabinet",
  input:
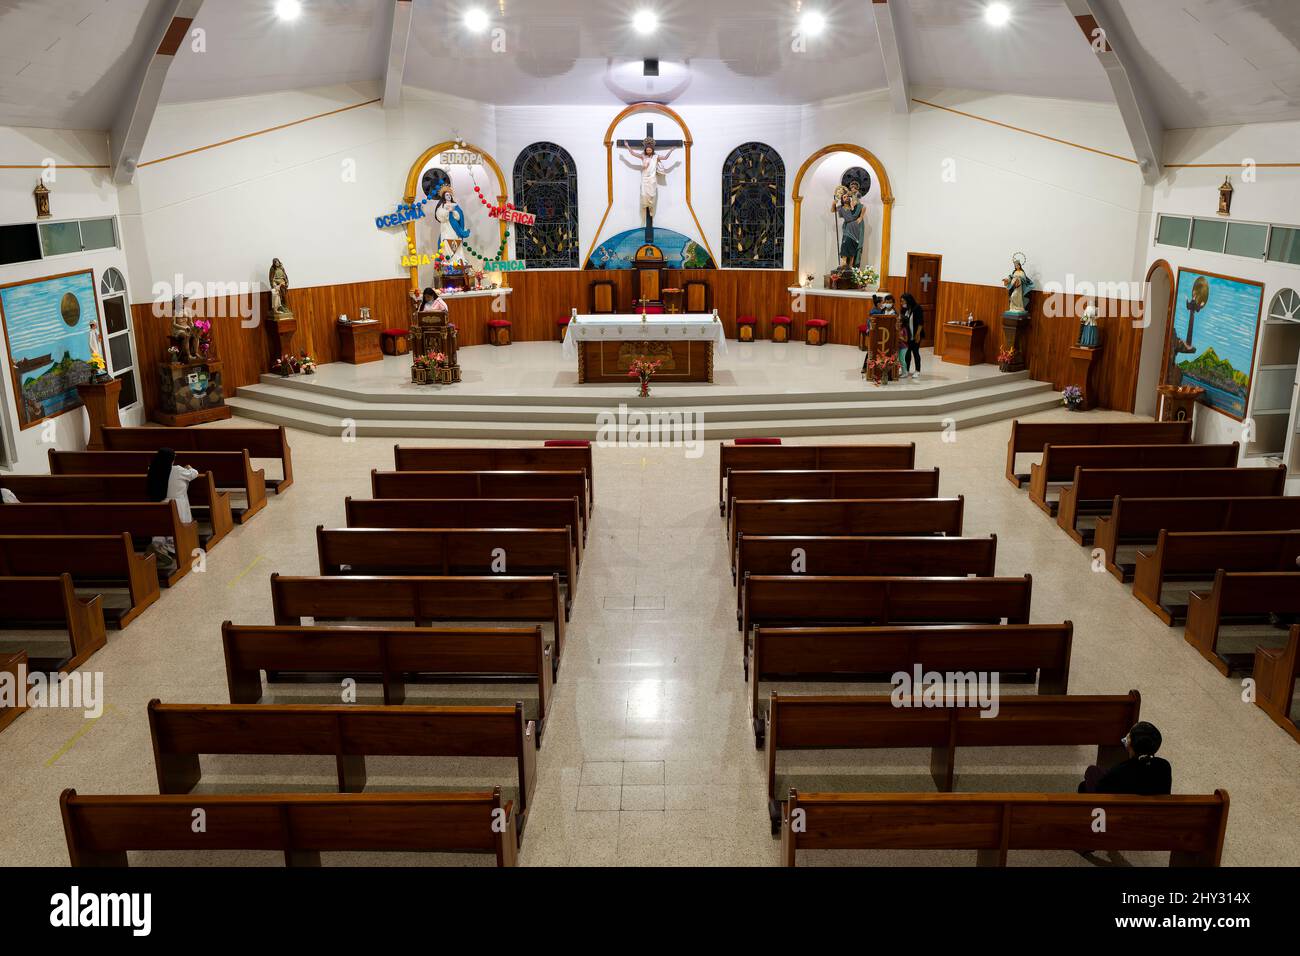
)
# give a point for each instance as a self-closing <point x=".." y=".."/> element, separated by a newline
<point x="359" y="342"/>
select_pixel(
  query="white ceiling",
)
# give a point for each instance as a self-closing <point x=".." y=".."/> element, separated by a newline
<point x="68" y="64"/>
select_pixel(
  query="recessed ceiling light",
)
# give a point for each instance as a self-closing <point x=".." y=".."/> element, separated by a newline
<point x="288" y="9"/>
<point x="645" y="21"/>
<point x="476" y="19"/>
<point x="997" y="14"/>
<point x="812" y="23"/>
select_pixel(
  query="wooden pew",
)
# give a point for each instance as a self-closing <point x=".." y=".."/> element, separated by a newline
<point x="1237" y="594"/>
<point x="1094" y="489"/>
<point x="1140" y="521"/>
<point x="814" y="457"/>
<point x="1028" y="438"/>
<point x="802" y="599"/>
<point x="483" y="484"/>
<point x="861" y="654"/>
<point x="142" y="520"/>
<point x="446" y="552"/>
<point x="94" y="561"/>
<point x="1059" y="461"/>
<point x="51" y="603"/>
<point x="1276" y="671"/>
<point x="204" y="497"/>
<point x="258" y="442"/>
<point x="15" y="665"/>
<point x="533" y="600"/>
<point x="1191" y="828"/>
<point x="1197" y="555"/>
<point x="553" y="458"/>
<point x="468" y="513"/>
<point x="836" y="484"/>
<point x="347" y="732"/>
<point x="861" y="554"/>
<point x="881" y="516"/>
<point x="232" y="470"/>
<point x="807" y="722"/>
<point x="101" y="830"/>
<point x="389" y="656"/>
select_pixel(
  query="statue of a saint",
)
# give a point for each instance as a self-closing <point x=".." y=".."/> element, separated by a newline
<point x="1089" y="333"/>
<point x="1018" y="285"/>
<point x="278" y="280"/>
<point x="852" y="214"/>
<point x="183" y="334"/>
<point x="452" y="230"/>
<point x="652" y="167"/>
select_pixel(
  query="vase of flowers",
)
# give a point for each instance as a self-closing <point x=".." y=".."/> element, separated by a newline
<point x="1006" y="358"/>
<point x="420" y="370"/>
<point x="643" y="370"/>
<point x="285" y="366"/>
<point x="1072" y="398"/>
<point x="204" y="328"/>
<point x="306" y="364"/>
<point x="883" y="367"/>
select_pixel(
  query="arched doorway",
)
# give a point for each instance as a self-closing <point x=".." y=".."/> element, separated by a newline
<point x="886" y="200"/>
<point x="1158" y="303"/>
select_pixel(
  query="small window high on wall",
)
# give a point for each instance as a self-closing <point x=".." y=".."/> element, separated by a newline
<point x="117" y="329"/>
<point x="753" y="208"/>
<point x="1245" y="240"/>
<point x="546" y="185"/>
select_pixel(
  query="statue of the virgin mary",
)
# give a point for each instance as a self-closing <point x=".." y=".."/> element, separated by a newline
<point x="1018" y="285"/>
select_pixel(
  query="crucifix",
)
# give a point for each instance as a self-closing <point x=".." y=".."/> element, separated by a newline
<point x="651" y="168"/>
<point x="925" y="282"/>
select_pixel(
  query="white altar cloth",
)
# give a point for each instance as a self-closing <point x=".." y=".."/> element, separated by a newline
<point x="693" y="327"/>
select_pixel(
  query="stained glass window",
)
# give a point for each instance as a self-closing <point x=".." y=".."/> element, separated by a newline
<point x="753" y="208"/>
<point x="546" y="184"/>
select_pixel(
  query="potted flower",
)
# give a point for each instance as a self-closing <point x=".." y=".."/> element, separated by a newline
<point x="204" y="328"/>
<point x="307" y="364"/>
<point x="883" y="367"/>
<point x="420" y="369"/>
<point x="1072" y="398"/>
<point x="643" y="369"/>
<point x="1006" y="357"/>
<point x="173" y="355"/>
<point x="285" y="366"/>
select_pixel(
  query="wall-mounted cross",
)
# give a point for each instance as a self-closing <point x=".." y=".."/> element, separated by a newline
<point x="925" y="281"/>
<point x="638" y="146"/>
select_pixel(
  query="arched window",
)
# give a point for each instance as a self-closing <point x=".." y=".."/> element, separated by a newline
<point x="753" y="208"/>
<point x="119" y="349"/>
<point x="546" y="184"/>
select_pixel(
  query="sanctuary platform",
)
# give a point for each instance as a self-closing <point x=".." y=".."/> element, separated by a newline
<point x="530" y="390"/>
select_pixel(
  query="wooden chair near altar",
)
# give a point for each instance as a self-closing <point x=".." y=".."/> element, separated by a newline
<point x="816" y="331"/>
<point x="746" y="328"/>
<point x="781" y="328"/>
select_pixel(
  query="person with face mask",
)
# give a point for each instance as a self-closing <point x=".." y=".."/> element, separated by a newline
<point x="1143" y="773"/>
<point x="168" y="481"/>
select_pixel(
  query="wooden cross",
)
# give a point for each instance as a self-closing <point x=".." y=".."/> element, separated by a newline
<point x="666" y="144"/>
<point x="925" y="281"/>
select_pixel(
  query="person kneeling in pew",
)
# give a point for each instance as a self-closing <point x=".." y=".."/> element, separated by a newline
<point x="1143" y="773"/>
<point x="168" y="481"/>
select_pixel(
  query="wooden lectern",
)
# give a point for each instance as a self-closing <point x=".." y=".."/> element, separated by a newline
<point x="100" y="399"/>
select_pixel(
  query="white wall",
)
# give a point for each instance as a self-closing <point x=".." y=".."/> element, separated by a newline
<point x="75" y="194"/>
<point x="1274" y="197"/>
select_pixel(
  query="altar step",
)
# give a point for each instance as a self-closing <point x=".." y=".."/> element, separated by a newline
<point x="298" y="403"/>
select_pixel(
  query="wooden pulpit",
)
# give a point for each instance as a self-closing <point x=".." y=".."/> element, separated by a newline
<point x="1083" y="363"/>
<point x="100" y="399"/>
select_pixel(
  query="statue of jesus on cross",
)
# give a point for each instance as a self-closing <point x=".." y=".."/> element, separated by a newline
<point x="652" y="167"/>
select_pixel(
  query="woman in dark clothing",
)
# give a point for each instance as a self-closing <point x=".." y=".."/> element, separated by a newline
<point x="1143" y="773"/>
<point x="913" y="322"/>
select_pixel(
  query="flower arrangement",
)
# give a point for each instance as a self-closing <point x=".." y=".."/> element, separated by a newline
<point x="854" y="278"/>
<point x="173" y="354"/>
<point x="438" y="360"/>
<point x="883" y="366"/>
<point x="204" y="328"/>
<point x="286" y="365"/>
<point x="643" y="370"/>
<point x="1072" y="397"/>
<point x="1005" y="358"/>
<point x="306" y="364"/>
<point x="101" y="371"/>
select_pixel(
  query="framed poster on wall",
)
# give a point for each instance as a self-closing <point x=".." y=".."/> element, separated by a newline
<point x="1212" y="338"/>
<point x="51" y="330"/>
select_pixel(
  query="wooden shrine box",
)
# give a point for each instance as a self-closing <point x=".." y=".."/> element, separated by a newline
<point x="604" y="297"/>
<point x="964" y="344"/>
<point x="649" y="262"/>
<point x="697" y="297"/>
<point x="190" y="394"/>
<point x="359" y="342"/>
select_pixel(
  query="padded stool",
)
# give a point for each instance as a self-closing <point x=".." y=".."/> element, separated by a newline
<point x="394" y="341"/>
<point x="746" y="327"/>
<point x="863" y="331"/>
<point x="815" y="332"/>
<point x="562" y="326"/>
<point x="757" y="441"/>
<point x="781" y="328"/>
<point x="498" y="331"/>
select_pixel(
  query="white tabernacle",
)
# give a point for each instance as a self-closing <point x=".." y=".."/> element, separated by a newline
<point x="702" y="327"/>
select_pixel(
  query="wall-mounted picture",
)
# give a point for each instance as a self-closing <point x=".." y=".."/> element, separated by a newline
<point x="52" y="329"/>
<point x="1212" y="338"/>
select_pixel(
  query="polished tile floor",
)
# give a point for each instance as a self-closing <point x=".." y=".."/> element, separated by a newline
<point x="648" y="757"/>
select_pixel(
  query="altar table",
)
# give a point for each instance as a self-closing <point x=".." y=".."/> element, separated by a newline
<point x="606" y="345"/>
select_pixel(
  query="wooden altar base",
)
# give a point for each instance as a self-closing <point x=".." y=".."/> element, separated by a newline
<point x="608" y="361"/>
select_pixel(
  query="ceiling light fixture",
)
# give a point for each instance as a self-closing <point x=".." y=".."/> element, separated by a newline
<point x="812" y="23"/>
<point x="288" y="9"/>
<point x="476" y="19"/>
<point x="997" y="14"/>
<point x="645" y="22"/>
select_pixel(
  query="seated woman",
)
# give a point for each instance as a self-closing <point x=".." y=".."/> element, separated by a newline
<point x="1143" y="773"/>
<point x="168" y="481"/>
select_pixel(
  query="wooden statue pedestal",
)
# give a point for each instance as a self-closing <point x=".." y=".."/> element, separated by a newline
<point x="964" y="344"/>
<point x="100" y="399"/>
<point x="190" y="394"/>
<point x="1082" y="364"/>
<point x="283" y="325"/>
<point x="359" y="342"/>
<point x="1015" y="328"/>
